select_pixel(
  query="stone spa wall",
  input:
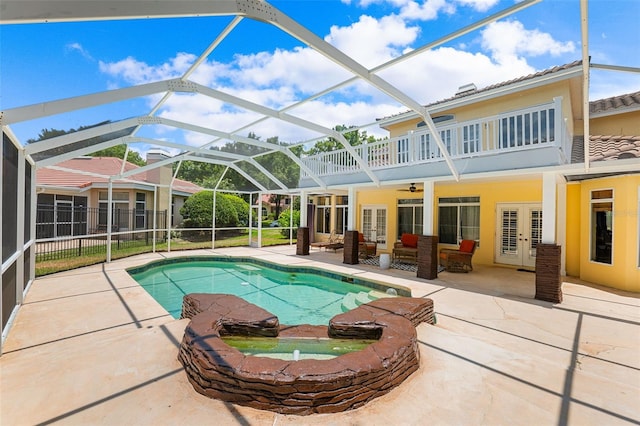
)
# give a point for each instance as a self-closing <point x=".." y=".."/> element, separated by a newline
<point x="306" y="386"/>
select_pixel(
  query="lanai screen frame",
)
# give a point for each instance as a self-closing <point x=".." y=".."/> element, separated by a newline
<point x="33" y="11"/>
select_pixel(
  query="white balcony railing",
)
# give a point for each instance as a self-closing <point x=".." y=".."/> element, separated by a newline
<point x="524" y="129"/>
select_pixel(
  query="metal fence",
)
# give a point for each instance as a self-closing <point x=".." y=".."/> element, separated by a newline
<point x="79" y="232"/>
<point x="67" y="220"/>
<point x="67" y="231"/>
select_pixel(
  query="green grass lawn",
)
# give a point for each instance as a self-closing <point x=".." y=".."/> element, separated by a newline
<point x="69" y="259"/>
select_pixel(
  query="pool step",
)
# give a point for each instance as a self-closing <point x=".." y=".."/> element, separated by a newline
<point x="349" y="302"/>
<point x="362" y="298"/>
<point x="353" y="300"/>
<point x="376" y="294"/>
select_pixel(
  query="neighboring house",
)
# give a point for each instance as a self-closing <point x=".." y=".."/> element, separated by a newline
<point x="269" y="206"/>
<point x="72" y="196"/>
<point x="517" y="148"/>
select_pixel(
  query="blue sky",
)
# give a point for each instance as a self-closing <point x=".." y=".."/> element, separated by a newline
<point x="42" y="62"/>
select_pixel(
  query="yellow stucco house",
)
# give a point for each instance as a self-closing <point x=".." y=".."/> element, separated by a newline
<point x="513" y="176"/>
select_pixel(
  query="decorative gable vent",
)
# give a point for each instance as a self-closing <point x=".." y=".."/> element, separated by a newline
<point x="466" y="89"/>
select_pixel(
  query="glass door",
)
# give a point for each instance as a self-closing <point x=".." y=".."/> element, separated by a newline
<point x="374" y="224"/>
<point x="519" y="231"/>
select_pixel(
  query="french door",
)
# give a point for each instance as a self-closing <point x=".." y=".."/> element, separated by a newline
<point x="519" y="230"/>
<point x="374" y="224"/>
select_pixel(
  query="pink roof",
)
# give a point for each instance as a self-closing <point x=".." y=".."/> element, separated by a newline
<point x="105" y="166"/>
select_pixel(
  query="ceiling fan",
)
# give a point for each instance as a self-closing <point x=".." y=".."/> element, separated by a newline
<point x="412" y="188"/>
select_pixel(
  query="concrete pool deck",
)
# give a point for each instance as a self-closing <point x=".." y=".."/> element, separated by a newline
<point x="90" y="346"/>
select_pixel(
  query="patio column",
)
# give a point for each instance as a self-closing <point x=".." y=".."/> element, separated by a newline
<point x="302" y="243"/>
<point x="427" y="242"/>
<point x="548" y="253"/>
<point x="351" y="208"/>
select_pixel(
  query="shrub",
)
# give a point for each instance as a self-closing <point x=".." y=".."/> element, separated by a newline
<point x="284" y="221"/>
<point x="230" y="210"/>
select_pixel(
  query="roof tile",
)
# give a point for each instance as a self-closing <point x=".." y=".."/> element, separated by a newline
<point x="105" y="166"/>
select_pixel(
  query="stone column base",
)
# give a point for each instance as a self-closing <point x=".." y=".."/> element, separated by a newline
<point x="427" y="257"/>
<point x="548" y="283"/>
<point x="302" y="244"/>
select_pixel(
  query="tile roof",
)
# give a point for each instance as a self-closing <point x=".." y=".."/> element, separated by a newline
<point x="609" y="147"/>
<point x="499" y="85"/>
<point x="106" y="166"/>
<point x="606" y="148"/>
<point x="629" y="100"/>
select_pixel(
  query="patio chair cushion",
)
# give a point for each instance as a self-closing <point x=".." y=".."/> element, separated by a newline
<point x="360" y="237"/>
<point x="467" y="246"/>
<point x="409" y="240"/>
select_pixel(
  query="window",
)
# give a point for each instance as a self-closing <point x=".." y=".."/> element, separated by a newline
<point x="410" y="216"/>
<point x="323" y="215"/>
<point x="471" y="138"/>
<point x="459" y="219"/>
<point x="601" y="225"/>
<point x="120" y="202"/>
<point x="403" y="150"/>
<point x="342" y="213"/>
<point x="527" y="128"/>
<point x="61" y="215"/>
<point x="141" y="207"/>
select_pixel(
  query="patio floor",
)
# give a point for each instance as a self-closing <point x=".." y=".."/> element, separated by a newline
<point x="90" y="346"/>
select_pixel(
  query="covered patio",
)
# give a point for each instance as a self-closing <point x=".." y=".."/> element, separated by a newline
<point x="90" y="346"/>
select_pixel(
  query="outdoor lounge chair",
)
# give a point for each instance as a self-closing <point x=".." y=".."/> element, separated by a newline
<point x="366" y="248"/>
<point x="335" y="242"/>
<point x="458" y="260"/>
<point x="406" y="248"/>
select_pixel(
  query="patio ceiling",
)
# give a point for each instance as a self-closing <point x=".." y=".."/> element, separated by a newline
<point x="129" y="131"/>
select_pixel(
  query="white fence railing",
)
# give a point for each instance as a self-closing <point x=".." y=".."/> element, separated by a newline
<point x="524" y="129"/>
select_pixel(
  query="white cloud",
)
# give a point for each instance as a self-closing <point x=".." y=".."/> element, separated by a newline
<point x="479" y="5"/>
<point x="77" y="47"/>
<point x="281" y="77"/>
<point x="437" y="74"/>
<point x="373" y="41"/>
<point x="509" y="39"/>
<point x="427" y="10"/>
<point x="133" y="71"/>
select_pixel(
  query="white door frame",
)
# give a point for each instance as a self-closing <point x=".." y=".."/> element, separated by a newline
<point x="377" y="233"/>
<point x="525" y="230"/>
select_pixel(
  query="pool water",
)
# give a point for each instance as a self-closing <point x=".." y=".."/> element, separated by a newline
<point x="283" y="348"/>
<point x="295" y="297"/>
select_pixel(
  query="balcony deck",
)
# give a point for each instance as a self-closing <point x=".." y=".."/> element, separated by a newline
<point x="528" y="138"/>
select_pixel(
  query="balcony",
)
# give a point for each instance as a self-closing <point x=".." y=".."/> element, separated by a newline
<point x="532" y="137"/>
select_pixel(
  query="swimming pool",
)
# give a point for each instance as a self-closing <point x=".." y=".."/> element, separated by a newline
<point x="297" y="295"/>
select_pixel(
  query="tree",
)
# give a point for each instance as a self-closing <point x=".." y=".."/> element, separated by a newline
<point x="118" y="151"/>
<point x="203" y="174"/>
<point x="285" y="221"/>
<point x="231" y="210"/>
<point x="354" y="137"/>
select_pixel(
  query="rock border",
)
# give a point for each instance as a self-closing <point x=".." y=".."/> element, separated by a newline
<point x="307" y="386"/>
